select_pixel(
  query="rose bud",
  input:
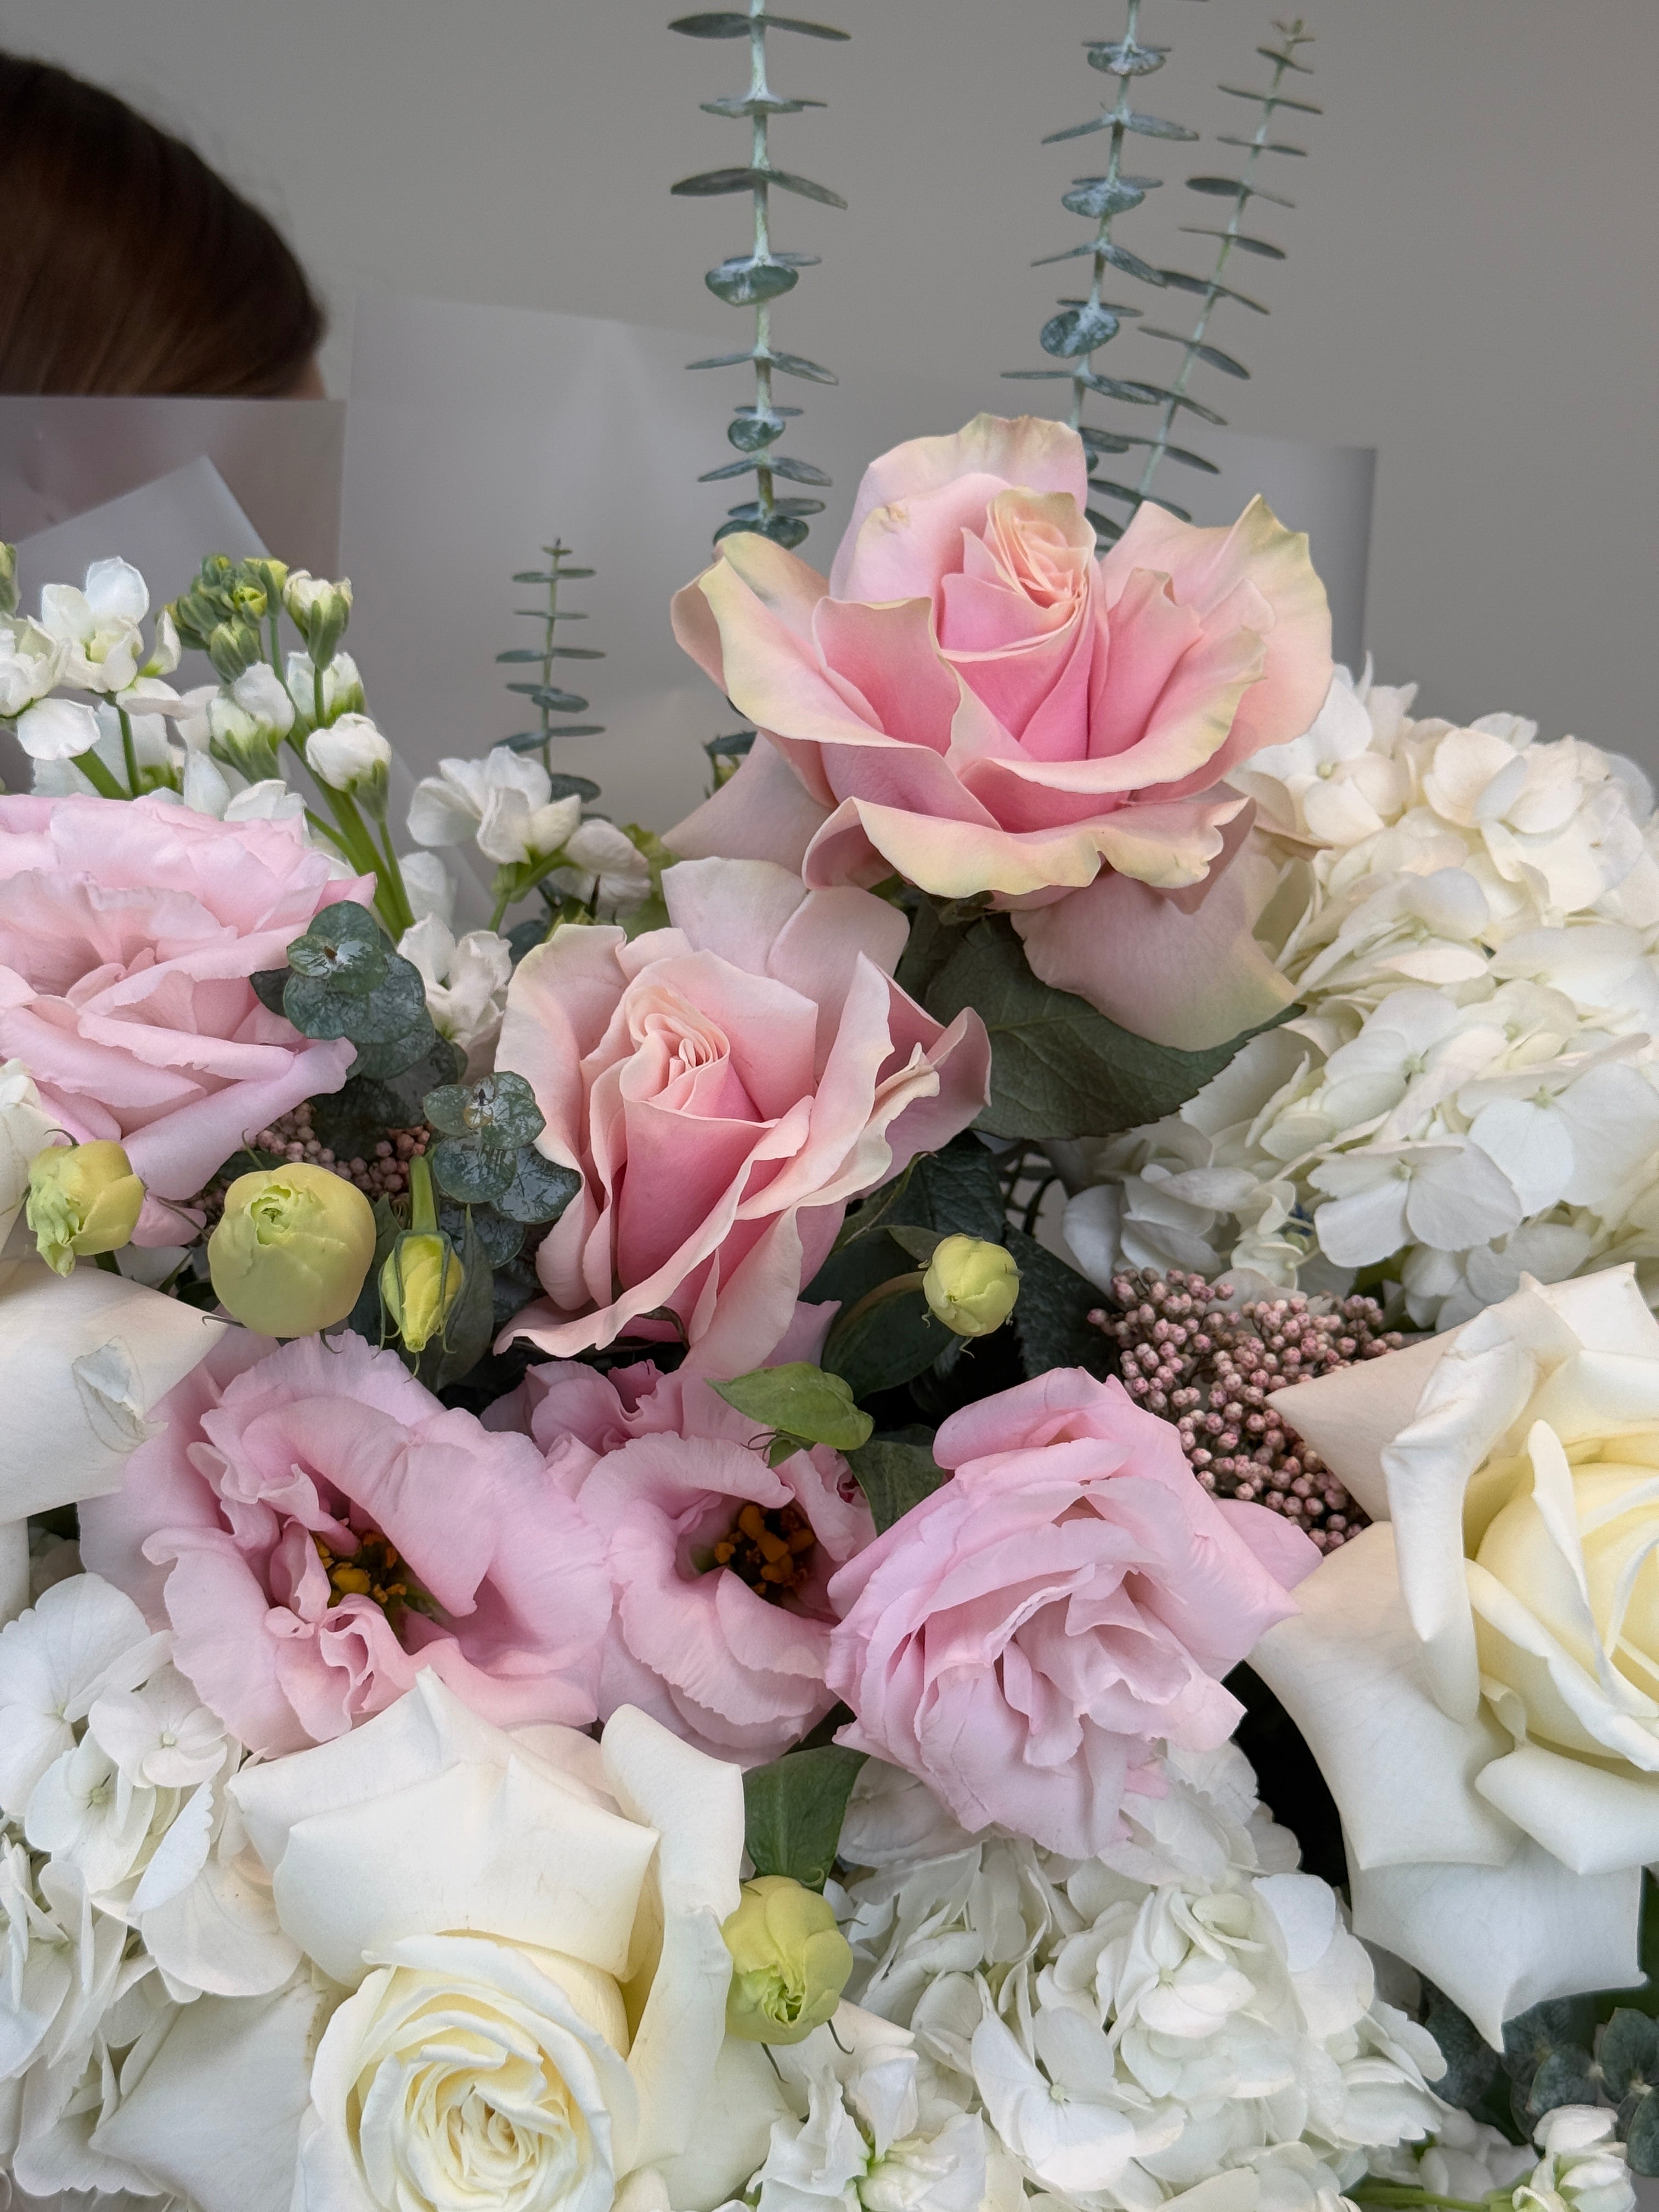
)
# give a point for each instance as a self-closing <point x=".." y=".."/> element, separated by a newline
<point x="789" y="1962"/>
<point x="83" y="1200"/>
<point x="970" y="1285"/>
<point x="293" y="1249"/>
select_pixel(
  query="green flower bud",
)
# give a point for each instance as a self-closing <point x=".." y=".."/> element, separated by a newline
<point x="293" y="1249"/>
<point x="420" y="1282"/>
<point x="7" y="580"/>
<point x="233" y="646"/>
<point x="320" y="610"/>
<point x="83" y="1200"/>
<point x="971" y="1286"/>
<point x="789" y="1962"/>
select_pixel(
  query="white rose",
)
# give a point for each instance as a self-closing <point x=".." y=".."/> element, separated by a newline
<point x="82" y="1359"/>
<point x="1479" y="1673"/>
<point x="529" y="1925"/>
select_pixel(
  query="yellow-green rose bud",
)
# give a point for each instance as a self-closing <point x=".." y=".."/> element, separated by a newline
<point x="83" y="1200"/>
<point x="789" y="1962"/>
<point x="420" y="1282"/>
<point x="970" y="1285"/>
<point x="293" y="1249"/>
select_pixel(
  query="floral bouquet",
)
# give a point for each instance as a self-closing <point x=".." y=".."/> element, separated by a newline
<point x="645" y="1554"/>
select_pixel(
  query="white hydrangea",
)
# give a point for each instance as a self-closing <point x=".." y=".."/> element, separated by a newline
<point x="127" y="1886"/>
<point x="1471" y="1090"/>
<point x="879" y="2132"/>
<point x="1186" y="2005"/>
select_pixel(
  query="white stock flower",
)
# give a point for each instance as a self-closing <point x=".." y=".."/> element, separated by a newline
<point x="571" y="2038"/>
<point x="57" y="730"/>
<point x="339" y="684"/>
<point x="1583" y="2168"/>
<point x="1470" y="921"/>
<point x="609" y="871"/>
<point x="503" y="803"/>
<point x="352" y="754"/>
<point x="98" y="626"/>
<point x="430" y="886"/>
<point x="1477" y="1674"/>
<point x="465" y="980"/>
<point x="31" y="662"/>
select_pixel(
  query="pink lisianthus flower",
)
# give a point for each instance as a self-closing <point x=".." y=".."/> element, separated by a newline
<point x="1023" y="1639"/>
<point x="972" y="699"/>
<point x="315" y="1528"/>
<point x="719" y="1566"/>
<point x="724" y="1087"/>
<point x="128" y="933"/>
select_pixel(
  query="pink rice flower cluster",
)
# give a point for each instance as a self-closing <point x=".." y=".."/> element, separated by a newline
<point x="1210" y="1369"/>
<point x="383" y="1173"/>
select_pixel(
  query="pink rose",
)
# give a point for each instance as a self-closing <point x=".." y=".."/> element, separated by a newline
<point x="719" y="1566"/>
<point x="128" y="931"/>
<point x="975" y="701"/>
<point x="724" y="1087"/>
<point x="315" y="1528"/>
<point x="1022" y="1639"/>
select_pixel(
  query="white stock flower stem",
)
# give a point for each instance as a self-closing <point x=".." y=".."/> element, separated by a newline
<point x="98" y="776"/>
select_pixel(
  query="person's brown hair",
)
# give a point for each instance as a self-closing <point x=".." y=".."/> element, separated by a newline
<point x="126" y="265"/>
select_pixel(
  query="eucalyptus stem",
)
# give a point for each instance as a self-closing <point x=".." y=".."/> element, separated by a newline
<point x="1294" y="34"/>
<point x="1084" y="369"/>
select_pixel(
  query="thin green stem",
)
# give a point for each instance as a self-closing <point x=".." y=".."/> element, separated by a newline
<point x="1120" y="115"/>
<point x="1183" y="378"/>
<point x="129" y="751"/>
<point x="99" y="776"/>
<point x="275" y="641"/>
<point x="760" y="158"/>
<point x="319" y="702"/>
<point x="523" y="881"/>
<point x="393" y="881"/>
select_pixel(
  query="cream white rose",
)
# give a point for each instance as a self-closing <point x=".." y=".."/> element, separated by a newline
<point x="529" y="1925"/>
<point x="1479" y="1673"/>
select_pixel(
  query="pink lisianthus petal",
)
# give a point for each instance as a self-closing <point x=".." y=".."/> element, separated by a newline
<point x="266" y="1460"/>
<point x="1023" y="1639"/>
<point x="740" y="1675"/>
<point x="128" y="935"/>
<point x="1182" y="968"/>
<point x="723" y="1088"/>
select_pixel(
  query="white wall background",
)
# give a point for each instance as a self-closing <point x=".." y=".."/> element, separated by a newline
<point x="1473" y="286"/>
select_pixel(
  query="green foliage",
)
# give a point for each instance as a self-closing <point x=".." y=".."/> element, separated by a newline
<point x="540" y="690"/>
<point x="802" y="1406"/>
<point x="486" y="1150"/>
<point x="1074" y="336"/>
<point x="1058" y="1068"/>
<point x="888" y="1337"/>
<point x="895" y="1475"/>
<point x="755" y="278"/>
<point x="344" y="980"/>
<point x="793" y="1810"/>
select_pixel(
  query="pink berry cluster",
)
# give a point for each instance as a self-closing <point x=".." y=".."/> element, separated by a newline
<point x="384" y="1173"/>
<point x="1210" y="1369"/>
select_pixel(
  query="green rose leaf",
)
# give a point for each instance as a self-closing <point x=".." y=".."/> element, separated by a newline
<point x="895" y="1476"/>
<point x="794" y="1809"/>
<point x="1058" y="1068"/>
<point x="1638" y="2118"/>
<point x="469" y="1324"/>
<point x="799" y="1400"/>
<point x="1052" y="1317"/>
<point x="886" y="1341"/>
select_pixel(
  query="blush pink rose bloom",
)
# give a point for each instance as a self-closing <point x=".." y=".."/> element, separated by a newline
<point x="268" y="1461"/>
<point x="1023" y="1639"/>
<point x="724" y="1087"/>
<point x="975" y="701"/>
<point x="662" y="1468"/>
<point x="128" y="933"/>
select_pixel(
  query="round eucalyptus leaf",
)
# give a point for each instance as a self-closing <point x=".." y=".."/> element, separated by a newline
<point x="806" y="473"/>
<point x="476" y="1175"/>
<point x="1262" y="245"/>
<point x="744" y="280"/>
<point x="1098" y="196"/>
<point x="548" y="696"/>
<point x="1123" y="58"/>
<point x="754" y="434"/>
<point x="500" y="1110"/>
<point x="1078" y="331"/>
<point x="1158" y="127"/>
<point x="539" y="1189"/>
